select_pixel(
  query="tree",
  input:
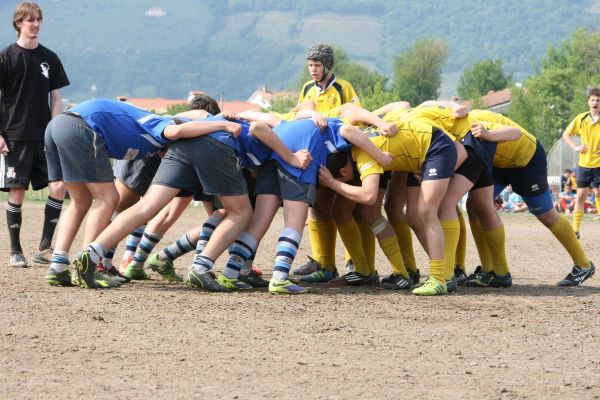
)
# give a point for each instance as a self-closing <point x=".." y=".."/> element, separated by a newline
<point x="558" y="91"/>
<point x="482" y="77"/>
<point x="418" y="70"/>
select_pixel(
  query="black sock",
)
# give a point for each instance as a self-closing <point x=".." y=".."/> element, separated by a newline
<point x="51" y="214"/>
<point x="13" y="221"/>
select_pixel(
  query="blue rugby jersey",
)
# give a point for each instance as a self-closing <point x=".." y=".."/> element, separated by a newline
<point x="129" y="132"/>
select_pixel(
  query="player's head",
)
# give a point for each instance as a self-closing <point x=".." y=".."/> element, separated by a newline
<point x="204" y="102"/>
<point x="26" y="11"/>
<point x="340" y="166"/>
<point x="594" y="99"/>
<point x="320" y="62"/>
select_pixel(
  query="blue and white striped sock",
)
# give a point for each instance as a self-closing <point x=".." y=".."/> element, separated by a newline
<point x="60" y="260"/>
<point x="203" y="263"/>
<point x="147" y="244"/>
<point x="208" y="227"/>
<point x="180" y="247"/>
<point x="287" y="247"/>
<point x="108" y="258"/>
<point x="132" y="242"/>
<point x="239" y="252"/>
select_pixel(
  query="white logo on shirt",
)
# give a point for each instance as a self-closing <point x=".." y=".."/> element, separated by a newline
<point x="10" y="172"/>
<point x="432" y="172"/>
<point x="365" y="166"/>
<point x="535" y="187"/>
<point x="45" y="69"/>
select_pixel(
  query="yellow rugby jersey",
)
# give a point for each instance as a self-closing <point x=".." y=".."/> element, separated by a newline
<point x="408" y="149"/>
<point x="440" y="117"/>
<point x="514" y="154"/>
<point x="338" y="92"/>
<point x="288" y="116"/>
<point x="590" y="134"/>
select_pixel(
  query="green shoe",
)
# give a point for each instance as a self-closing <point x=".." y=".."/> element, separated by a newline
<point x="163" y="268"/>
<point x="431" y="287"/>
<point x="134" y="272"/>
<point x="58" y="278"/>
<point x="86" y="275"/>
<point x="232" y="283"/>
<point x="285" y="287"/>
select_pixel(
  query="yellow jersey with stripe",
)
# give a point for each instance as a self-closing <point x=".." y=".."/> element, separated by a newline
<point x="408" y="148"/>
<point x="441" y="117"/>
<point x="589" y="131"/>
<point x="513" y="154"/>
<point x="338" y="92"/>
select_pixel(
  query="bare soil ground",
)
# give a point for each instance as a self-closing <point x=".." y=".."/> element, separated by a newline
<point x="159" y="340"/>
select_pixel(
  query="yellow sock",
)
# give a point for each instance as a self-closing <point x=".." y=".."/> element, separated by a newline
<point x="461" y="247"/>
<point x="327" y="235"/>
<point x="597" y="202"/>
<point x="563" y="231"/>
<point x="577" y="218"/>
<point x="495" y="239"/>
<point x="485" y="257"/>
<point x="368" y="244"/>
<point x="351" y="236"/>
<point x="451" y="229"/>
<point x="436" y="270"/>
<point x="313" y="235"/>
<point x="404" y="236"/>
<point x="391" y="249"/>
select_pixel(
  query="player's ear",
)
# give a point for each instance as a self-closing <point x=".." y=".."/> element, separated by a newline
<point x="347" y="171"/>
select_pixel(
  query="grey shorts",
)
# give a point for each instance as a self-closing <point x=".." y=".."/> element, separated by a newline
<point x="75" y="153"/>
<point x="137" y="174"/>
<point x="202" y="161"/>
<point x="272" y="179"/>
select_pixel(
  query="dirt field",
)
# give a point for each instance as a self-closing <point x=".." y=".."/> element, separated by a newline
<point x="161" y="340"/>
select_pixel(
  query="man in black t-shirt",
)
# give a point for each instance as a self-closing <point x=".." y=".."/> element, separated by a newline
<point x="30" y="80"/>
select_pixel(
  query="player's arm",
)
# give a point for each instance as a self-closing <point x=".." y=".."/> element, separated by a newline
<point x="358" y="138"/>
<point x="56" y="106"/>
<point x="357" y="115"/>
<point x="458" y="110"/>
<point x="269" y="119"/>
<point x="364" y="194"/>
<point x="403" y="105"/>
<point x="318" y="118"/>
<point x="496" y="133"/>
<point x="261" y="131"/>
<point x="199" y="128"/>
<point x="193" y="114"/>
<point x="582" y="148"/>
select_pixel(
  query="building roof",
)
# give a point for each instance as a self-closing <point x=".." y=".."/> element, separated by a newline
<point x="237" y="106"/>
<point x="158" y="104"/>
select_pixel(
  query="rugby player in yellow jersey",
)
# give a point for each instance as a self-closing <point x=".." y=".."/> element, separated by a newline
<point x="588" y="167"/>
<point x="474" y="173"/>
<point x="417" y="148"/>
<point x="523" y="165"/>
<point x="324" y="93"/>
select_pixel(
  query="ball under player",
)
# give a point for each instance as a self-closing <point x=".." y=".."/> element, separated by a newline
<point x="588" y="167"/>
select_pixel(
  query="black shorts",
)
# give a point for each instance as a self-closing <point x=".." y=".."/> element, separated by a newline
<point x="137" y="175"/>
<point x="25" y="163"/>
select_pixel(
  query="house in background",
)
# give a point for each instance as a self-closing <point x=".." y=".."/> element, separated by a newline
<point x="498" y="101"/>
<point x="264" y="97"/>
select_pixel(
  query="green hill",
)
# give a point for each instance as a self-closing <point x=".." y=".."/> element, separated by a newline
<point x="232" y="47"/>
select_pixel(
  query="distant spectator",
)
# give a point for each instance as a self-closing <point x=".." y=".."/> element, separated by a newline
<point x="566" y="199"/>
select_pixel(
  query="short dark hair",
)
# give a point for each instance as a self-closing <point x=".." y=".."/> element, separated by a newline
<point x="594" y="92"/>
<point x="204" y="102"/>
<point x="336" y="161"/>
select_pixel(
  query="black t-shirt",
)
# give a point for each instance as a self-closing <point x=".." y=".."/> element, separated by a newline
<point x="26" y="78"/>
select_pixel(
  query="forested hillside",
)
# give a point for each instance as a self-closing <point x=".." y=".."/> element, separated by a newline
<point x="232" y="47"/>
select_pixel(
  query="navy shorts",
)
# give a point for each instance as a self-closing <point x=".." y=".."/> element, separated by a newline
<point x="76" y="153"/>
<point x="272" y="179"/>
<point x="440" y="159"/>
<point x="484" y="149"/>
<point x="25" y="163"/>
<point x="137" y="174"/>
<point x="530" y="181"/>
<point x="202" y="161"/>
<point x="588" y="177"/>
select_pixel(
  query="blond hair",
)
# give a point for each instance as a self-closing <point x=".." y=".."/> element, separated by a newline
<point x="24" y="10"/>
